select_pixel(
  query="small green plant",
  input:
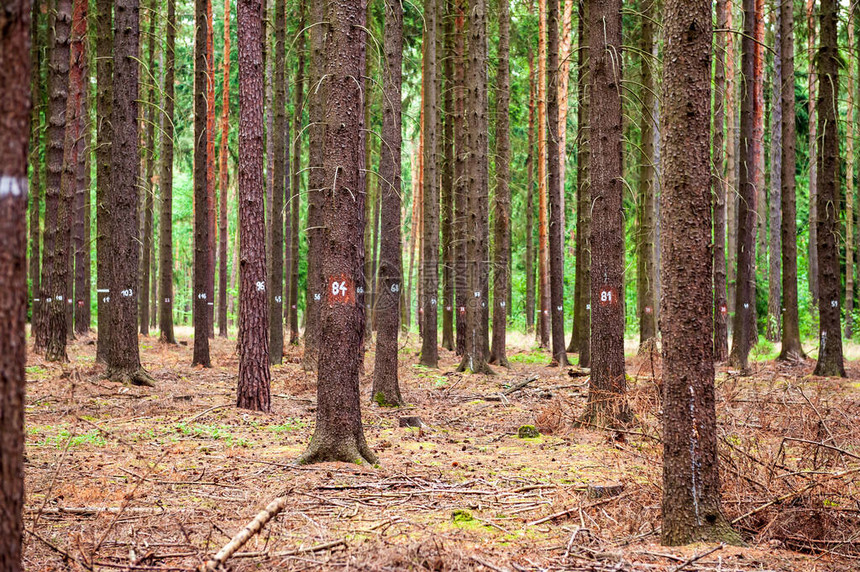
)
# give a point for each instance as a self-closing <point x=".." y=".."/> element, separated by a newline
<point x="528" y="432"/>
<point x="531" y="357"/>
<point x="64" y="436"/>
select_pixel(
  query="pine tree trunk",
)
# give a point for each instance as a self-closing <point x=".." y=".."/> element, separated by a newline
<point x="224" y="179"/>
<point x="447" y="178"/>
<point x="791" y="347"/>
<point x="745" y="288"/>
<point x="830" y="360"/>
<point x="37" y="41"/>
<point x="201" y="190"/>
<point x="275" y="289"/>
<point x="338" y="435"/>
<point x="812" y="78"/>
<point x="210" y="170"/>
<point x="253" y="391"/>
<point x="849" y="186"/>
<point x="530" y="208"/>
<point x="691" y="480"/>
<point x="555" y="192"/>
<point x="646" y="271"/>
<point x="718" y="184"/>
<point x="386" y="389"/>
<point x="502" y="202"/>
<point x="732" y="168"/>
<point x="104" y="138"/>
<point x="165" y="236"/>
<point x="460" y="173"/>
<point x="564" y="50"/>
<point x="14" y="132"/>
<point x="543" y="247"/>
<point x="149" y="162"/>
<point x="760" y="229"/>
<point x="81" y="188"/>
<point x="295" y="196"/>
<point x="774" y="202"/>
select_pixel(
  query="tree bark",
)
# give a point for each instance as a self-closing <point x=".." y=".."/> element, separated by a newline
<point x="386" y="388"/>
<point x="339" y="435"/>
<point x="275" y="281"/>
<point x="745" y="286"/>
<point x="37" y="41"/>
<point x="718" y="183"/>
<point x="15" y="116"/>
<point x="295" y="196"/>
<point x="732" y="168"/>
<point x="691" y="480"/>
<point x="81" y="188"/>
<point x="607" y="387"/>
<point x="460" y="173"/>
<point x="812" y="79"/>
<point x="503" y="192"/>
<point x="530" y="208"/>
<point x="772" y="331"/>
<point x="253" y="391"/>
<point x="148" y="184"/>
<point x="104" y="138"/>
<point x="543" y="247"/>
<point x="447" y="179"/>
<point x="224" y="177"/>
<point x="165" y="236"/>
<point x="849" y="185"/>
<point x="201" y="189"/>
<point x="830" y="360"/>
<point x="210" y="170"/>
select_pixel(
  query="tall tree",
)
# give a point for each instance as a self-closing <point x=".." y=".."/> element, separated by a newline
<point x="201" y="189"/>
<point x="339" y="435"/>
<point x="295" y="195"/>
<point x="743" y="324"/>
<point x="254" y="386"/>
<point x="36" y="128"/>
<point x="430" y="212"/>
<point x="555" y="191"/>
<point x="543" y="247"/>
<point x="14" y="132"/>
<point x="691" y="480"/>
<point x="565" y="44"/>
<point x="62" y="137"/>
<point x="530" y="204"/>
<point x="718" y="181"/>
<point x="502" y="203"/>
<point x="460" y="172"/>
<point x="849" y="184"/>
<point x="447" y="178"/>
<point x="224" y="179"/>
<point x="812" y="79"/>
<point x="210" y="170"/>
<point x="732" y="164"/>
<point x="104" y="138"/>
<point x="608" y="384"/>
<point x="148" y="183"/>
<point x="386" y="389"/>
<point x="165" y="236"/>
<point x="774" y="202"/>
<point x="123" y="359"/>
<point x="77" y="173"/>
<point x="791" y="347"/>
<point x="276" y="208"/>
<point x="646" y="268"/>
<point x="830" y="361"/>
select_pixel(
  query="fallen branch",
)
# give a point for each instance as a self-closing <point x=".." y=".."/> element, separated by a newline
<point x="518" y="386"/>
<point x="575" y="509"/>
<point x="689" y="561"/>
<point x="252" y="528"/>
<point x="205" y="411"/>
<point x="296" y="552"/>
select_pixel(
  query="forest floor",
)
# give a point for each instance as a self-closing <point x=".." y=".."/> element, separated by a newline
<point x="129" y="478"/>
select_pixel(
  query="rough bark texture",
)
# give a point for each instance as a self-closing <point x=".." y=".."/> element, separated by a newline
<point x="502" y="254"/>
<point x="123" y="358"/>
<point x="295" y="195"/>
<point x="732" y="166"/>
<point x="275" y="282"/>
<point x="36" y="128"/>
<point x="14" y="132"/>
<point x="148" y="185"/>
<point x="812" y="78"/>
<point x="718" y="183"/>
<point x="791" y="347"/>
<point x="543" y="246"/>
<point x="830" y="361"/>
<point x="224" y="180"/>
<point x="774" y="265"/>
<point x="104" y="138"/>
<point x="76" y="171"/>
<point x="210" y="171"/>
<point x="386" y="389"/>
<point x="201" y="191"/>
<point x="165" y="236"/>
<point x="253" y="390"/>
<point x="608" y="384"/>
<point x="338" y="435"/>
<point x="646" y="269"/>
<point x="849" y="184"/>
<point x="460" y="175"/>
<point x="743" y="324"/>
<point x="555" y="192"/>
<point x="447" y="178"/>
<point x="691" y="480"/>
<point x="530" y="204"/>
<point x="565" y="42"/>
<point x="760" y="232"/>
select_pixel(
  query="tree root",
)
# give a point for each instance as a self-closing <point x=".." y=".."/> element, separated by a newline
<point x="139" y="377"/>
<point x="332" y="449"/>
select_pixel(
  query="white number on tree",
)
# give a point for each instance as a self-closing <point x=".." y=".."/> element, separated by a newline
<point x="338" y="288"/>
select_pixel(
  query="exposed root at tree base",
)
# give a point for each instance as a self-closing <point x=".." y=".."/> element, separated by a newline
<point x="331" y="449"/>
<point x="139" y="377"/>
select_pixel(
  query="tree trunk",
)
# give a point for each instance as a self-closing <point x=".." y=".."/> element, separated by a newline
<point x="745" y="286"/>
<point x="211" y="202"/>
<point x="760" y="229"/>
<point x="81" y="234"/>
<point x="791" y="346"/>
<point x="338" y="435"/>
<point x="295" y="196"/>
<point x="460" y="173"/>
<point x="812" y="78"/>
<point x="201" y="190"/>
<point x="253" y="391"/>
<point x="830" y="361"/>
<point x="66" y="78"/>
<point x="530" y="208"/>
<point x="224" y="179"/>
<point x="149" y="162"/>
<point x="37" y="41"/>
<point x="849" y="186"/>
<point x="165" y="236"/>
<point x="774" y="202"/>
<point x="543" y="247"/>
<point x="732" y="167"/>
<point x="555" y="194"/>
<point x="275" y="288"/>
<point x="122" y="200"/>
<point x="718" y="183"/>
<point x="503" y="192"/>
<point x="104" y="138"/>
<point x="564" y="50"/>
<point x="447" y="178"/>
<point x="386" y="389"/>
<point x="608" y="384"/>
<point x="14" y="132"/>
<point x="691" y="480"/>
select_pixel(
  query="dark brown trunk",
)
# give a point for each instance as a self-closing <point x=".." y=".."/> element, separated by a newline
<point x="386" y="389"/>
<point x="224" y="178"/>
<point x="275" y="288"/>
<point x="502" y="203"/>
<point x="36" y="128"/>
<point x="460" y="183"/>
<point x="530" y="205"/>
<point x="608" y="384"/>
<point x="81" y="188"/>
<point x="556" y="201"/>
<point x="148" y="184"/>
<point x="339" y="435"/>
<point x="254" y="387"/>
<point x="543" y="247"/>
<point x="830" y="360"/>
<point x="447" y="191"/>
<point x="295" y="195"/>
<point x="201" y="190"/>
<point x="743" y="324"/>
<point x="165" y="235"/>
<point x="850" y="247"/>
<point x="14" y="132"/>
<point x="210" y="171"/>
<point x="104" y="138"/>
<point x="773" y="281"/>
<point x="718" y="184"/>
<point x="812" y="78"/>
<point x="691" y="479"/>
